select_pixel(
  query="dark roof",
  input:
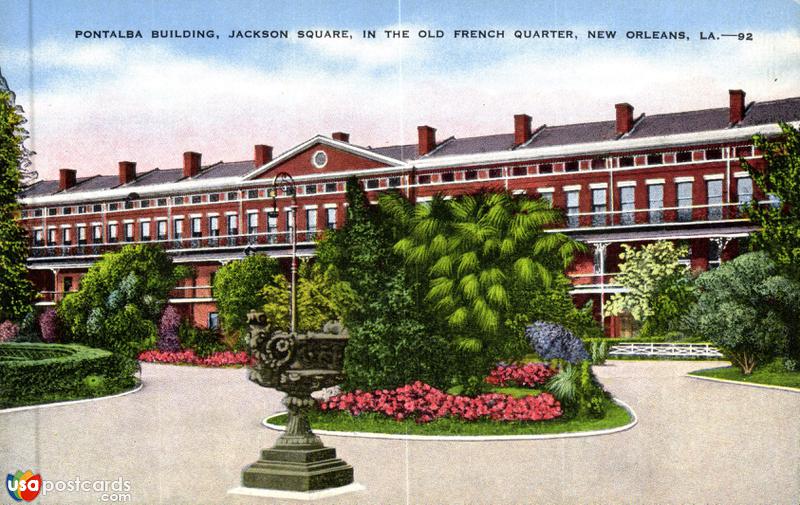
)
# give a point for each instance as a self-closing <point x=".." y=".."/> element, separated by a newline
<point x="471" y="145"/>
<point x="574" y="134"/>
<point x="406" y="152"/>
<point x="96" y="182"/>
<point x="230" y="169"/>
<point x="680" y="122"/>
<point x="158" y="176"/>
<point x="773" y="111"/>
<point x="40" y="188"/>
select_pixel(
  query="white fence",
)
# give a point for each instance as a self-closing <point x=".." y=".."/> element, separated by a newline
<point x="664" y="349"/>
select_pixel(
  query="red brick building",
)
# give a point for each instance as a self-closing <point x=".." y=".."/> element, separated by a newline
<point x="632" y="179"/>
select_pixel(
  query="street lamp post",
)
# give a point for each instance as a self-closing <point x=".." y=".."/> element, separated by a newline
<point x="285" y="182"/>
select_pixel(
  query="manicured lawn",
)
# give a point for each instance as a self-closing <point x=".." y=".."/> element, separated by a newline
<point x="377" y="423"/>
<point x="773" y="378"/>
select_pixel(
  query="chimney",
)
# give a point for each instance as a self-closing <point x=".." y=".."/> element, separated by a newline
<point x="341" y="136"/>
<point x="191" y="164"/>
<point x="522" y="129"/>
<point x="427" y="139"/>
<point x="66" y="178"/>
<point x="263" y="155"/>
<point x="624" y="117"/>
<point x="737" y="105"/>
<point x="127" y="171"/>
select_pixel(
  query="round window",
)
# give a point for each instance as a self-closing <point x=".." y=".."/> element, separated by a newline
<point x="320" y="159"/>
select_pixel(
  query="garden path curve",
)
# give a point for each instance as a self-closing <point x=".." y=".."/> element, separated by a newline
<point x="185" y="436"/>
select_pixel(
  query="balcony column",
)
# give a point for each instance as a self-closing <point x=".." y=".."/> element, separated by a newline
<point x="722" y="243"/>
<point x="55" y="283"/>
<point x="600" y="270"/>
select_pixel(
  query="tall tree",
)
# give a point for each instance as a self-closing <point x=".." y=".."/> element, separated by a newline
<point x="16" y="291"/>
<point x="779" y="233"/>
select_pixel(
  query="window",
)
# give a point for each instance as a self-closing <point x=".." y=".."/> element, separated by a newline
<point x="627" y="204"/>
<point x="37" y="213"/>
<point x="571" y="166"/>
<point x="744" y="151"/>
<point x="713" y="154"/>
<point x="470" y="175"/>
<point x="51" y="236"/>
<point x="655" y="199"/>
<point x="144" y="230"/>
<point x="744" y="190"/>
<point x="213" y="320"/>
<point x="213" y="226"/>
<point x="626" y="161"/>
<point x="161" y="229"/>
<point x="233" y="224"/>
<point x="66" y="211"/>
<point x="128" y="204"/>
<point x="81" y="235"/>
<point x="252" y="193"/>
<point x="252" y="223"/>
<point x="548" y="197"/>
<point x="52" y="212"/>
<point x="113" y="206"/>
<point x="547" y="168"/>
<point x="655" y="159"/>
<point x="113" y="232"/>
<point x="272" y="228"/>
<point x="598" y="207"/>
<point x="684" y="201"/>
<point x="38" y="238"/>
<point x="448" y="177"/>
<point x="98" y="207"/>
<point x="394" y="182"/>
<point x="598" y="164"/>
<point x="714" y="192"/>
<point x="161" y="202"/>
<point x="213" y="197"/>
<point x="232" y="195"/>
<point x="195" y="227"/>
<point x="714" y="258"/>
<point x="144" y="203"/>
<point x="311" y="189"/>
<point x="330" y="218"/>
<point x="67" y="284"/>
<point x="683" y="157"/>
<point x="197" y="199"/>
<point x="519" y="171"/>
<point x="82" y="209"/>
<point x="572" y="208"/>
<point x="423" y="179"/>
<point x="495" y="173"/>
<point x="372" y="184"/>
<point x="177" y="229"/>
<point x="128" y="232"/>
<point x="330" y="187"/>
<point x="311" y="221"/>
<point x="66" y="236"/>
<point x="774" y="200"/>
<point x="97" y="234"/>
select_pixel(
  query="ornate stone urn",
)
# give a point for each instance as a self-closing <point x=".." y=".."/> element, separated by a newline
<point x="297" y="365"/>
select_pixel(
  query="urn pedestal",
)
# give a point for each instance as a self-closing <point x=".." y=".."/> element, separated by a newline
<point x="297" y="365"/>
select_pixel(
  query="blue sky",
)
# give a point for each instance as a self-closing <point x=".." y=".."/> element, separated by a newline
<point x="94" y="102"/>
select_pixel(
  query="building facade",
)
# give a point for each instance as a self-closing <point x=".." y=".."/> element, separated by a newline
<point x="632" y="179"/>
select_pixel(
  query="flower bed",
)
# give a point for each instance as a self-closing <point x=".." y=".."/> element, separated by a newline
<point x="424" y="403"/>
<point x="188" y="357"/>
<point x="530" y="375"/>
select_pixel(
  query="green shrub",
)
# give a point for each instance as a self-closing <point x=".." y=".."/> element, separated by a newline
<point x="579" y="392"/>
<point x="238" y="289"/>
<point x="599" y="352"/>
<point x="203" y="341"/>
<point x="33" y="373"/>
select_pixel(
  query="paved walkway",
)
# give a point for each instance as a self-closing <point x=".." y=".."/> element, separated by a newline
<point x="186" y="435"/>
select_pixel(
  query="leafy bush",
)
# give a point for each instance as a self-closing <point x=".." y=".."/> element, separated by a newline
<point x="52" y="372"/>
<point x="564" y="385"/>
<point x="553" y="341"/>
<point x="238" y="289"/>
<point x="599" y="352"/>
<point x="203" y="341"/>
<point x="8" y="331"/>
<point x="29" y="330"/>
<point x="168" y="330"/>
<point x="424" y="403"/>
<point x="749" y="311"/>
<point x="579" y="391"/>
<point x="48" y="325"/>
<point x="120" y="300"/>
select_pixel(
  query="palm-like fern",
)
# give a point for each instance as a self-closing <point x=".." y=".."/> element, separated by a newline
<point x="474" y="248"/>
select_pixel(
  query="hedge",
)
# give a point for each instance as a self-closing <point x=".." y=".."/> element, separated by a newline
<point x="39" y="373"/>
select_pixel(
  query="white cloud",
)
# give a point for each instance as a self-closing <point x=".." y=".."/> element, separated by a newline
<point x="149" y="104"/>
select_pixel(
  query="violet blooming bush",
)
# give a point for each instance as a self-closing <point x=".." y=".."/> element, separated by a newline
<point x="48" y="323"/>
<point x="553" y="341"/>
<point x="8" y="331"/>
<point x="168" y="327"/>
